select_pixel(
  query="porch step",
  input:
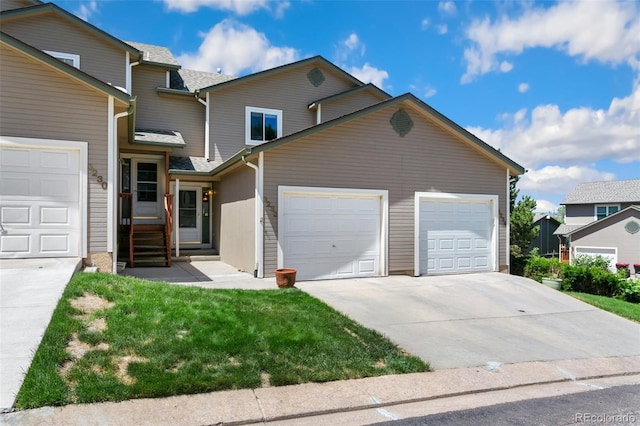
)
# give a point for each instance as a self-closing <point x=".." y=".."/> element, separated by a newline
<point x="148" y="246"/>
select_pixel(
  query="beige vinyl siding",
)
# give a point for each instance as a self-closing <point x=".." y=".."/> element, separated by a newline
<point x="13" y="4"/>
<point x="168" y="112"/>
<point x="611" y="233"/>
<point x="367" y="154"/>
<point x="288" y="91"/>
<point x="38" y="102"/>
<point x="234" y="218"/>
<point x="348" y="104"/>
<point x="583" y="214"/>
<point x="49" y="31"/>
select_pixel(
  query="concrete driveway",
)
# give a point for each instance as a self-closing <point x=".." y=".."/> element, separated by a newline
<point x="479" y="319"/>
<point x="29" y="292"/>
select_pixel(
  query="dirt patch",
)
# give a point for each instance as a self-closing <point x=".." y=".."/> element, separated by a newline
<point x="89" y="303"/>
<point x="122" y="365"/>
<point x="234" y="362"/>
<point x="76" y="348"/>
<point x="265" y="379"/>
<point x="98" y="325"/>
<point x="380" y="364"/>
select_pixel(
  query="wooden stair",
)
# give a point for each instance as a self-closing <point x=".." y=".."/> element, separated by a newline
<point x="149" y="245"/>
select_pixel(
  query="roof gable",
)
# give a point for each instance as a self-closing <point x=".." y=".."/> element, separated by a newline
<point x="264" y="74"/>
<point x="615" y="191"/>
<point x="52" y="8"/>
<point x="366" y="87"/>
<point x="60" y="66"/>
<point x="429" y="112"/>
<point x="634" y="209"/>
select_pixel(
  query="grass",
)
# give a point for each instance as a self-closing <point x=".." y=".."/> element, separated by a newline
<point x="619" y="307"/>
<point x="113" y="338"/>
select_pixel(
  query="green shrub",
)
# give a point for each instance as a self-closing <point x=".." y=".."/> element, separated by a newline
<point x="629" y="290"/>
<point x="591" y="262"/>
<point x="592" y="280"/>
<point x="538" y="267"/>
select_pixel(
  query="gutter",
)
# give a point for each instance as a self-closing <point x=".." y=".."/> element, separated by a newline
<point x="258" y="272"/>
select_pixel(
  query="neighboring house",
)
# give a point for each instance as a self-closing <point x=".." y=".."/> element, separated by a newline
<point x="299" y="166"/>
<point x="546" y="242"/>
<point x="603" y="218"/>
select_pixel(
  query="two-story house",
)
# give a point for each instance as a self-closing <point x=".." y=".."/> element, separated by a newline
<point x="299" y="166"/>
<point x="602" y="218"/>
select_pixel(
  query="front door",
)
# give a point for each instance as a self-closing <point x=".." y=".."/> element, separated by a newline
<point x="189" y="216"/>
<point x="144" y="178"/>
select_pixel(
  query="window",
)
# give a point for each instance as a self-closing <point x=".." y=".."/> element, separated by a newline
<point x="604" y="211"/>
<point x="67" y="58"/>
<point x="147" y="182"/>
<point x="262" y="125"/>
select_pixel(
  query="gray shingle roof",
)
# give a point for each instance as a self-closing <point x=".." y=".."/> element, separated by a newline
<point x="192" y="164"/>
<point x="564" y="229"/>
<point x="159" y="137"/>
<point x="615" y="191"/>
<point x="152" y="53"/>
<point x="191" y="80"/>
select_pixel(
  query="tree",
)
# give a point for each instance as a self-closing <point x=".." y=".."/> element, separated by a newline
<point x="513" y="192"/>
<point x="522" y="232"/>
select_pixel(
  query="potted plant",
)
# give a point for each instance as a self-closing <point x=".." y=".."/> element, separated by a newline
<point x="623" y="267"/>
<point x="554" y="278"/>
<point x="285" y="277"/>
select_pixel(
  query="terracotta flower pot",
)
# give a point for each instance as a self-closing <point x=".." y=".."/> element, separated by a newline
<point x="285" y="277"/>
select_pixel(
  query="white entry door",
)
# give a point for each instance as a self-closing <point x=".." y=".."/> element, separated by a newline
<point x="189" y="216"/>
<point x="40" y="202"/>
<point x="148" y="191"/>
<point x="331" y="235"/>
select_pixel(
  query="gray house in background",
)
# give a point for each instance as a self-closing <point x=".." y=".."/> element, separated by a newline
<point x="546" y="242"/>
<point x="602" y="218"/>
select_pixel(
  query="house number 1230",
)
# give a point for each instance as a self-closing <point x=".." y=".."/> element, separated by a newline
<point x="99" y="179"/>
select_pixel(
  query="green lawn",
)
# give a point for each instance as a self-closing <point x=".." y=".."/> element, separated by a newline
<point x="113" y="338"/>
<point x="619" y="307"/>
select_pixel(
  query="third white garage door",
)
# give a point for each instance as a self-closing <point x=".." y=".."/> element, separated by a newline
<point x="327" y="235"/>
<point x="455" y="235"/>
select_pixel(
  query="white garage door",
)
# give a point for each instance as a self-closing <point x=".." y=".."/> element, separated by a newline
<point x="39" y="202"/>
<point x="609" y="253"/>
<point x="327" y="236"/>
<point x="455" y="236"/>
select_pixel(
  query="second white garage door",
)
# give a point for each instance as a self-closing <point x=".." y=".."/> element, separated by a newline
<point x="455" y="235"/>
<point x="328" y="235"/>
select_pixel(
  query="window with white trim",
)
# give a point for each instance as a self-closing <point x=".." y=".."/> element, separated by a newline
<point x="606" y="210"/>
<point x="262" y="125"/>
<point x="67" y="58"/>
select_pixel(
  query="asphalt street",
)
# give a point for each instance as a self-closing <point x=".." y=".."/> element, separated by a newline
<point x="613" y="406"/>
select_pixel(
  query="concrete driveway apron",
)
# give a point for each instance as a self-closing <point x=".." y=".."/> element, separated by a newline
<point x="483" y="319"/>
<point x="29" y="292"/>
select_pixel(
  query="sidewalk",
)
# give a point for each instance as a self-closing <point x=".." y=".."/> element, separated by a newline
<point x="295" y="404"/>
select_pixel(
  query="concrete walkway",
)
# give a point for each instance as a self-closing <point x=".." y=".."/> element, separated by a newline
<point x="29" y="292"/>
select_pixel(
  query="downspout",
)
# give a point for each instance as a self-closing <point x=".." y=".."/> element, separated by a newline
<point x="508" y="220"/>
<point x="112" y="195"/>
<point x="128" y="83"/>
<point x="206" y="123"/>
<point x="258" y="272"/>
<point x="319" y="114"/>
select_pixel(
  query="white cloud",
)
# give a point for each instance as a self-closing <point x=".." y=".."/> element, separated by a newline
<point x="424" y="24"/>
<point x="352" y="42"/>
<point x="442" y="29"/>
<point x="369" y="74"/>
<point x="86" y="10"/>
<point x="559" y="180"/>
<point x="523" y="87"/>
<point x="576" y="137"/>
<point x="235" y="48"/>
<point x="506" y="66"/>
<point x="429" y="92"/>
<point x="447" y="7"/>
<point x="240" y="7"/>
<point x="347" y="47"/>
<point x="544" y="206"/>
<point x="605" y="31"/>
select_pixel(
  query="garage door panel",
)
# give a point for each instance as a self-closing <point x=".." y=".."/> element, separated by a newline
<point x="40" y="202"/>
<point x="454" y="236"/>
<point x="331" y="235"/>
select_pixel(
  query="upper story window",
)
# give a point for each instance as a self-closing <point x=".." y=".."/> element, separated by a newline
<point x="67" y="58"/>
<point x="262" y="125"/>
<point x="606" y="210"/>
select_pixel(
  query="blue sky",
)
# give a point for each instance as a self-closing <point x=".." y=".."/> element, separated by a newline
<point x="555" y="86"/>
